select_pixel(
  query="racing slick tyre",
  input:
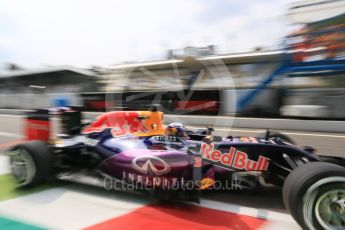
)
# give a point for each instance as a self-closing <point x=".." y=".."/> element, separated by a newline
<point x="275" y="134"/>
<point x="31" y="163"/>
<point x="314" y="194"/>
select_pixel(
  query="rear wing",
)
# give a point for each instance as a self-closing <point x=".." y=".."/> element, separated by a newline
<point x="38" y="124"/>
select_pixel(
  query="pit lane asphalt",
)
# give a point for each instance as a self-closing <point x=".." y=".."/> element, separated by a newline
<point x="11" y="130"/>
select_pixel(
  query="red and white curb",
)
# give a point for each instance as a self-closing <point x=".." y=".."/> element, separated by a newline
<point x="71" y="208"/>
<point x="275" y="220"/>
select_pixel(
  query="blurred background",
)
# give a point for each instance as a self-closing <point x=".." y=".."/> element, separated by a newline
<point x="264" y="59"/>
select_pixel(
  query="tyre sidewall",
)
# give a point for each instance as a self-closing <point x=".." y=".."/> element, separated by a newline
<point x="300" y="180"/>
<point x="42" y="157"/>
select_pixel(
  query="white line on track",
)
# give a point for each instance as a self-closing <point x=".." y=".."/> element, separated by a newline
<point x="11" y="115"/>
<point x="261" y="131"/>
<point x="20" y="116"/>
<point x="5" y="134"/>
<point x="289" y="133"/>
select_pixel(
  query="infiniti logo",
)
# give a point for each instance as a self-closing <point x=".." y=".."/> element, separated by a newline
<point x="150" y="162"/>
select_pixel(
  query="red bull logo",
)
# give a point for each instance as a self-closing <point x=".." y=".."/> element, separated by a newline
<point x="233" y="159"/>
<point x="128" y="122"/>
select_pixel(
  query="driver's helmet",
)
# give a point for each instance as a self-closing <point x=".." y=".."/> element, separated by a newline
<point x="176" y="129"/>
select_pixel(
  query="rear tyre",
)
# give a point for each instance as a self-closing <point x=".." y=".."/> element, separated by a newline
<point x="314" y="194"/>
<point x="31" y="163"/>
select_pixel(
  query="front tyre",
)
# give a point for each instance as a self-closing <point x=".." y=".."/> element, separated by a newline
<point x="31" y="163"/>
<point x="314" y="194"/>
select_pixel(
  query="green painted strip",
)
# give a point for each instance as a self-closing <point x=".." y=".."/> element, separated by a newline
<point x="8" y="187"/>
<point x="8" y="224"/>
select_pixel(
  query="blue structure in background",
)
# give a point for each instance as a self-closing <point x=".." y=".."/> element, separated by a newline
<point x="61" y="102"/>
<point x="291" y="68"/>
<point x="288" y="68"/>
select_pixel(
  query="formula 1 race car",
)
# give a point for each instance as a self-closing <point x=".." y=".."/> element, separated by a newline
<point x="132" y="148"/>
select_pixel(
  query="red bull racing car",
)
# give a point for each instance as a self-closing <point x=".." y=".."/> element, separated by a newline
<point x="133" y="148"/>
